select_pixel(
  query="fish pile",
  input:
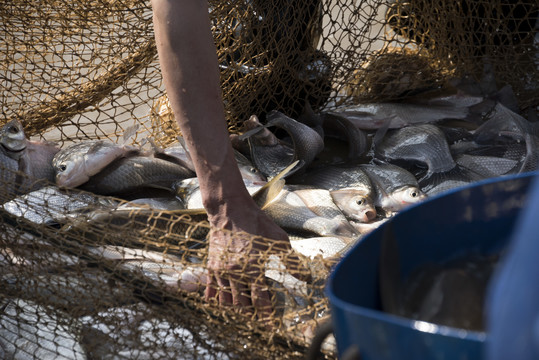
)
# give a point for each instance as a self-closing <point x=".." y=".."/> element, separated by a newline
<point x="326" y="179"/>
<point x="355" y="166"/>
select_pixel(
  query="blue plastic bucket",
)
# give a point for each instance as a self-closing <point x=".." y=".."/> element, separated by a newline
<point x="476" y="219"/>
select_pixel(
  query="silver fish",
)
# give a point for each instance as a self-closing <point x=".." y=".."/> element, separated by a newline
<point x="130" y="175"/>
<point x="10" y="178"/>
<point x="13" y="139"/>
<point x="355" y="204"/>
<point x="487" y="166"/>
<point x="321" y="202"/>
<point x="159" y="203"/>
<point x="350" y="188"/>
<point x="451" y="293"/>
<point x="188" y="191"/>
<point x="247" y="169"/>
<point x="292" y="214"/>
<point x="157" y="267"/>
<point x="178" y="153"/>
<point x="287" y="210"/>
<point x="342" y="128"/>
<point x="76" y="163"/>
<point x="34" y="157"/>
<point x="395" y="187"/>
<point x="424" y="144"/>
<point x="271" y="155"/>
<point x="324" y="246"/>
<point x="503" y="121"/>
<point x="29" y="331"/>
<point x="26" y="165"/>
<point x="268" y="153"/>
<point x="397" y="115"/>
<point x="52" y="205"/>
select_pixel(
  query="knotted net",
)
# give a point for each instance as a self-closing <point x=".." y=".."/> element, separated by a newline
<point x="79" y="280"/>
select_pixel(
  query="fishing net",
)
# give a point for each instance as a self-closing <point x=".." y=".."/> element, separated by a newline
<point x="85" y="276"/>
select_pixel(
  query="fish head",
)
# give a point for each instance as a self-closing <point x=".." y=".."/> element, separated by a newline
<point x="248" y="171"/>
<point x="12" y="136"/>
<point x="251" y="173"/>
<point x="75" y="164"/>
<point x="69" y="172"/>
<point x="185" y="189"/>
<point x="404" y="196"/>
<point x="355" y="204"/>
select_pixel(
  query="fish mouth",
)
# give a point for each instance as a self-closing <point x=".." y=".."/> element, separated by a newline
<point x="366" y="215"/>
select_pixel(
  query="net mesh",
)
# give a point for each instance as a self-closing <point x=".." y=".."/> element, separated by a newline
<point x="85" y="277"/>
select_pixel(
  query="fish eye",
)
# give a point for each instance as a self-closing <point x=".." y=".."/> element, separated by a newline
<point x="13" y="129"/>
<point x="360" y="201"/>
<point x="253" y="170"/>
<point x="414" y="193"/>
<point x="62" y="167"/>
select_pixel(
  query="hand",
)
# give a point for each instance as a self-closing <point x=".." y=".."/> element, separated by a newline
<point x="241" y="239"/>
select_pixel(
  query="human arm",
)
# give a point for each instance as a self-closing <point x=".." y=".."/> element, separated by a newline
<point x="190" y="71"/>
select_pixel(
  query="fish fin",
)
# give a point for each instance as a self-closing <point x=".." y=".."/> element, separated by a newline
<point x="129" y="133"/>
<point x="156" y="148"/>
<point x="95" y="147"/>
<point x="251" y="132"/>
<point x="272" y="188"/>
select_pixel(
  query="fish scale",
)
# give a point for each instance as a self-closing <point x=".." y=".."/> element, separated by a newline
<point x="335" y="178"/>
<point x="397" y="115"/>
<point x="131" y="174"/>
<point x="272" y="158"/>
<point x="424" y="144"/>
<point x="307" y="142"/>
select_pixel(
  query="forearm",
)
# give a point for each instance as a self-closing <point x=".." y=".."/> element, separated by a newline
<point x="191" y="76"/>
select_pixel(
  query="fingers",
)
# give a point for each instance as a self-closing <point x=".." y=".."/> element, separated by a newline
<point x="210" y="294"/>
<point x="247" y="293"/>
<point x="261" y="298"/>
<point x="225" y="295"/>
